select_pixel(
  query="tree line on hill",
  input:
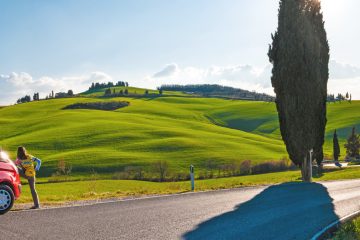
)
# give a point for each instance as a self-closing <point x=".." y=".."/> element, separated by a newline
<point x="214" y="90"/>
<point x="97" y="85"/>
<point x="339" y="98"/>
<point x="160" y="171"/>
<point x="112" y="92"/>
<point x="24" y="99"/>
<point x="125" y="92"/>
<point x="36" y="96"/>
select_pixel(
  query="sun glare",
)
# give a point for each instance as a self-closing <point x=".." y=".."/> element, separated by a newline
<point x="331" y="8"/>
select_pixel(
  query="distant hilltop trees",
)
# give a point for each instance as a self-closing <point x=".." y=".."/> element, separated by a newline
<point x="108" y="85"/>
<point x="112" y="93"/>
<point x="52" y="94"/>
<point x="36" y="97"/>
<point x="125" y="92"/>
<point x="213" y="90"/>
<point x="25" y="99"/>
<point x="339" y="97"/>
<point x="69" y="93"/>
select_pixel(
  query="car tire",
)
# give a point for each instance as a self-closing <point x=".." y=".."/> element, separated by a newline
<point x="7" y="199"/>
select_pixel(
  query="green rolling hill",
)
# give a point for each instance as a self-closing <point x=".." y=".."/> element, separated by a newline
<point x="175" y="127"/>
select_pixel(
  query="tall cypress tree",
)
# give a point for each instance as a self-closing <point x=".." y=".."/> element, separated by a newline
<point x="336" y="147"/>
<point x="300" y="57"/>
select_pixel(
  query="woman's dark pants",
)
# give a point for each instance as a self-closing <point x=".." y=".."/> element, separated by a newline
<point x="31" y="181"/>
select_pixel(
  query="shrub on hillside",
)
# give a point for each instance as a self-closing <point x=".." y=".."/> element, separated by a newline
<point x="353" y="145"/>
<point x="229" y="169"/>
<point x="245" y="167"/>
<point x="135" y="172"/>
<point x="206" y="175"/>
<point x="63" y="171"/>
<point x="63" y="168"/>
<point x="210" y="166"/>
<point x="161" y="168"/>
<point x="121" y="176"/>
<point x="272" y="166"/>
<point x="180" y="176"/>
<point x="130" y="173"/>
<point x="106" y="106"/>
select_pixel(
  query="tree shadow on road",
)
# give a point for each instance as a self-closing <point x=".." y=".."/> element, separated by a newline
<point x="285" y="211"/>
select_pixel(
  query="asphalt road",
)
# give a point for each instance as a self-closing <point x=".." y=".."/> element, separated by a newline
<point x="287" y="211"/>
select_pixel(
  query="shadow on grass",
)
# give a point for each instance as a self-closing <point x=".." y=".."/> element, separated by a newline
<point x="320" y="174"/>
<point x="285" y="211"/>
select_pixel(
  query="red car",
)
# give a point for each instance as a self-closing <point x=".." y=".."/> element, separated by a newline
<point x="10" y="185"/>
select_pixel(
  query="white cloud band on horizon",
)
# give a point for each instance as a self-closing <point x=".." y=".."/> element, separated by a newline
<point x="16" y="85"/>
<point x="343" y="78"/>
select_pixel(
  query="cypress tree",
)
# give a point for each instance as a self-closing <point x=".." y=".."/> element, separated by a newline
<point x="300" y="57"/>
<point x="108" y="91"/>
<point x="353" y="145"/>
<point x="336" y="147"/>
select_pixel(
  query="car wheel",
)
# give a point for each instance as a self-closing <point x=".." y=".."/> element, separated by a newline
<point x="6" y="199"/>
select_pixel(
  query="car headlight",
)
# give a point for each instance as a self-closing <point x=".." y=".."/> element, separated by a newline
<point x="4" y="156"/>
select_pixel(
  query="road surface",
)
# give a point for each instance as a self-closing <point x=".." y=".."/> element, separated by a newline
<point x="286" y="211"/>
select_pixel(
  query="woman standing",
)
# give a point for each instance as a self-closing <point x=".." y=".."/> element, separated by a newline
<point x="28" y="170"/>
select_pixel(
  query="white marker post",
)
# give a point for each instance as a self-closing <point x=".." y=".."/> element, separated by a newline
<point x="192" y="177"/>
<point x="310" y="164"/>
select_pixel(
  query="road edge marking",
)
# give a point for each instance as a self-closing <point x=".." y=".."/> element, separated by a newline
<point x="108" y="201"/>
<point x="319" y="235"/>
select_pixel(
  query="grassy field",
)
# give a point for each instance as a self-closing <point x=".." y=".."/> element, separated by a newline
<point x="182" y="130"/>
<point x="52" y="193"/>
<point x="349" y="231"/>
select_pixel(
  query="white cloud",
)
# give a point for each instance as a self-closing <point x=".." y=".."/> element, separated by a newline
<point x="168" y="71"/>
<point x="351" y="85"/>
<point x="18" y="78"/>
<point x="343" y="77"/>
<point x="340" y="70"/>
<point x="99" y="77"/>
<point x="16" y="85"/>
<point x="242" y="76"/>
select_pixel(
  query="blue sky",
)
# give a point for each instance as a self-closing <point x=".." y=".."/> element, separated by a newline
<point x="69" y="43"/>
